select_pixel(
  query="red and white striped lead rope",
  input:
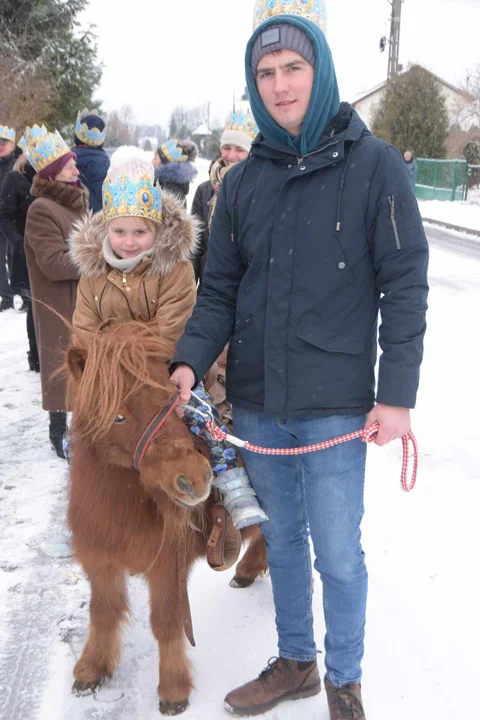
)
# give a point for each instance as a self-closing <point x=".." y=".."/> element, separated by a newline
<point x="367" y="435"/>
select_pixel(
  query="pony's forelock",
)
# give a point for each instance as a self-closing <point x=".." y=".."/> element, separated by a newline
<point x="116" y="366"/>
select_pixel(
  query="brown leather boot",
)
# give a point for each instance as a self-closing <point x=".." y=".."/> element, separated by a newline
<point x="345" y="702"/>
<point x="281" y="680"/>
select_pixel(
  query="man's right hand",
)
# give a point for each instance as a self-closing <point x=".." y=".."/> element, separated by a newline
<point x="184" y="379"/>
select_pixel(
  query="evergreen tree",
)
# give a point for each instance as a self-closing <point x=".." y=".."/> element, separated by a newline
<point x="43" y="37"/>
<point x="412" y="114"/>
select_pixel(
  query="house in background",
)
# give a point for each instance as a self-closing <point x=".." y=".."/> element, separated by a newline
<point x="457" y="100"/>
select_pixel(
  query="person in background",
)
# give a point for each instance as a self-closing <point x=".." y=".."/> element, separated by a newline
<point x="59" y="200"/>
<point x="15" y="199"/>
<point x="236" y="141"/>
<point x="92" y="160"/>
<point x="412" y="166"/>
<point x="174" y="167"/>
<point x="7" y="161"/>
<point x="201" y="210"/>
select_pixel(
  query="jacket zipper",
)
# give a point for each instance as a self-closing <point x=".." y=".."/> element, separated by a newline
<point x="391" y="200"/>
<point x="315" y="152"/>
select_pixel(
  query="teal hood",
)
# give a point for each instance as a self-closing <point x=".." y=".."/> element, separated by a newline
<point x="324" y="102"/>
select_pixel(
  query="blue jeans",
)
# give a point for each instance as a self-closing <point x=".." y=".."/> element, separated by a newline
<point x="323" y="492"/>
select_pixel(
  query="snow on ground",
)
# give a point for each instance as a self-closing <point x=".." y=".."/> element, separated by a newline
<point x="463" y="214"/>
<point x="423" y="634"/>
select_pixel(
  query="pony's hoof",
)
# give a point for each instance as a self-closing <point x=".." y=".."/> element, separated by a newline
<point x="80" y="689"/>
<point x="173" y="708"/>
<point x="241" y="582"/>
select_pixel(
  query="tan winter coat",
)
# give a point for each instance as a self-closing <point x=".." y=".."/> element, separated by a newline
<point x="161" y="286"/>
<point x="53" y="276"/>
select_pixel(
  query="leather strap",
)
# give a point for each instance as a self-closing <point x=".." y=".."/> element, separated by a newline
<point x="183" y="590"/>
<point x="152" y="429"/>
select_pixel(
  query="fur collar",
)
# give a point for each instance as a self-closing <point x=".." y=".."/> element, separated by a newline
<point x="340" y="121"/>
<point x="180" y="173"/>
<point x="62" y="193"/>
<point x="175" y="240"/>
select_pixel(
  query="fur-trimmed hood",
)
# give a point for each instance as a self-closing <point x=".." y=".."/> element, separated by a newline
<point x="179" y="173"/>
<point x="71" y="196"/>
<point x="175" y="241"/>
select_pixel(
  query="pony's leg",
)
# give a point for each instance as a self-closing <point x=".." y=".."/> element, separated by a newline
<point x="254" y="561"/>
<point x="166" y="618"/>
<point x="108" y="608"/>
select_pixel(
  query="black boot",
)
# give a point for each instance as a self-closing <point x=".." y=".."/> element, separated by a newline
<point x="57" y="429"/>
<point x="33" y="362"/>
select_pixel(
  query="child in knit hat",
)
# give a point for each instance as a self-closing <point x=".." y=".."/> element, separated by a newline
<point x="134" y="260"/>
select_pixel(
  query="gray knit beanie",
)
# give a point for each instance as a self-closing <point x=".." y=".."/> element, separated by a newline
<point x="282" y="37"/>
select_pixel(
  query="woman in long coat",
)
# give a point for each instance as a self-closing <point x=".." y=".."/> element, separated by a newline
<point x="59" y="201"/>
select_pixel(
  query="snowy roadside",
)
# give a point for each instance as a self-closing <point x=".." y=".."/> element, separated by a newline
<point x="457" y="214"/>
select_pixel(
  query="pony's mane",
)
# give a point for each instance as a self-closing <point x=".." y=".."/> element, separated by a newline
<point x="116" y="365"/>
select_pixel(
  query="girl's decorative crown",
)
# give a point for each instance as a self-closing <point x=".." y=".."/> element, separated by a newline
<point x="44" y="147"/>
<point x="128" y="191"/>
<point x="173" y="152"/>
<point x="243" y="121"/>
<point x="7" y="133"/>
<point x="89" y="136"/>
<point x="313" y="10"/>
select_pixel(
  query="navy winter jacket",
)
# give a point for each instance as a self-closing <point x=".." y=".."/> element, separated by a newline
<point x="93" y="164"/>
<point x="303" y="254"/>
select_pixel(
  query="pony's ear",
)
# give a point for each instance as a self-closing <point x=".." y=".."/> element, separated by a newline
<point x="76" y="359"/>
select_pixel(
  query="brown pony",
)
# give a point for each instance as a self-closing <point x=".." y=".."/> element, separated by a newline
<point x="154" y="521"/>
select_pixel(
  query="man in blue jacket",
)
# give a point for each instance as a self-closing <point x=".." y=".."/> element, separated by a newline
<point x="314" y="234"/>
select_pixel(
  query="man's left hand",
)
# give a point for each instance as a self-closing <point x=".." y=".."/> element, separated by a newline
<point x="394" y="422"/>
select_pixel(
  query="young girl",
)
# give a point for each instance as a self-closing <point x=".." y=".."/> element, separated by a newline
<point x="134" y="260"/>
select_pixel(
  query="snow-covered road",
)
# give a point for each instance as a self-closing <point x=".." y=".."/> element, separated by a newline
<point x="423" y="629"/>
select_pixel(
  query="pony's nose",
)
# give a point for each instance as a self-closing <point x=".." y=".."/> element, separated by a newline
<point x="185" y="486"/>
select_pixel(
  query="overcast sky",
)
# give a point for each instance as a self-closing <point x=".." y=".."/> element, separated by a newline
<point x="162" y="53"/>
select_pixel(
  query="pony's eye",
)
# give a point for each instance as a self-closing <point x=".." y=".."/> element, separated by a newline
<point x="120" y="419"/>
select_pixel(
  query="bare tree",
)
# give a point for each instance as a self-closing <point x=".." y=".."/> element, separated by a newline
<point x="184" y="122"/>
<point x="467" y="113"/>
<point x="25" y="91"/>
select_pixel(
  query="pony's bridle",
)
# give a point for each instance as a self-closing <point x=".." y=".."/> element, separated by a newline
<point x="152" y="429"/>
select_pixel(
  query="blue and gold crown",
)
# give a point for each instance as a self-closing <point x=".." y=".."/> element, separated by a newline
<point x="129" y="191"/>
<point x="173" y="152"/>
<point x="22" y="144"/>
<point x="313" y="10"/>
<point x="7" y="133"/>
<point x="44" y="147"/>
<point x="89" y="136"/>
<point x="242" y="120"/>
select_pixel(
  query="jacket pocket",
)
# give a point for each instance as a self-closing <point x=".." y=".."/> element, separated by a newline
<point x="330" y="341"/>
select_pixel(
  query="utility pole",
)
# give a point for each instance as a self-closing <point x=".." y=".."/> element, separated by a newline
<point x="393" y="55"/>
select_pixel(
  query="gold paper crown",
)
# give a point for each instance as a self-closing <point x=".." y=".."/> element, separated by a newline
<point x="7" y="133"/>
<point x="313" y="10"/>
<point x="129" y="191"/>
<point x="44" y="147"/>
<point x="242" y="120"/>
<point x="90" y="136"/>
